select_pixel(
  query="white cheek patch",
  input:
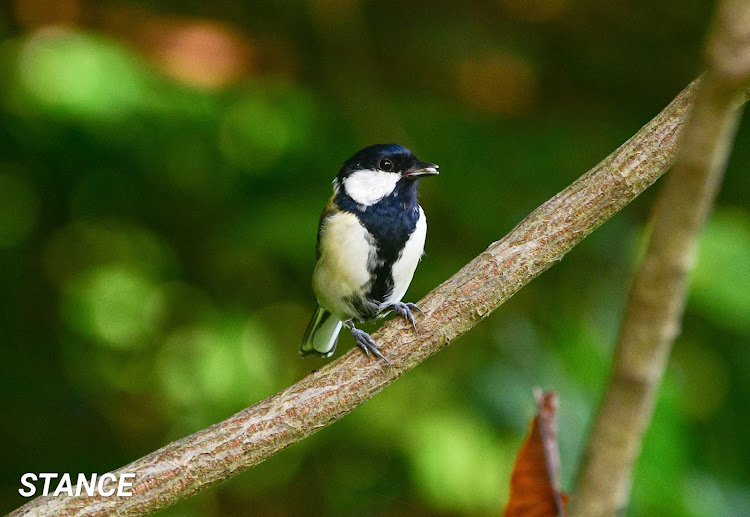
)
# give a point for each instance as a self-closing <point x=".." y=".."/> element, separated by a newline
<point x="367" y="187"/>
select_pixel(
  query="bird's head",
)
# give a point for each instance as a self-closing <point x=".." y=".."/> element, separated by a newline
<point x="374" y="172"/>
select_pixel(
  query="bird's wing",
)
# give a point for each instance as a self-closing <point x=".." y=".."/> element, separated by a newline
<point x="330" y="209"/>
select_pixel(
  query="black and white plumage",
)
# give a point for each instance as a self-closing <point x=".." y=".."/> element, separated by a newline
<point x="370" y="239"/>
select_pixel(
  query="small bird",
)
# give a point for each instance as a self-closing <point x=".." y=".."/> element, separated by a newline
<point x="370" y="239"/>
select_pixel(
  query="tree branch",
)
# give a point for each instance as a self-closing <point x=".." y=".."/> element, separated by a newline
<point x="214" y="454"/>
<point x="657" y="298"/>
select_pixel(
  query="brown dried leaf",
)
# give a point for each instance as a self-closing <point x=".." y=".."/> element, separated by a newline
<point x="534" y="484"/>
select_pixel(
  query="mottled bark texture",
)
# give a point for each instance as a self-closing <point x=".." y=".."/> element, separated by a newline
<point x="657" y="297"/>
<point x="186" y="466"/>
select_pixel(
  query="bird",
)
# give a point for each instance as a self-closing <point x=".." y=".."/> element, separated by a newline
<point x="371" y="237"/>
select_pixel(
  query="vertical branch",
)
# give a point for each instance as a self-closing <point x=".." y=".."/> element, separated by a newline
<point x="657" y="297"/>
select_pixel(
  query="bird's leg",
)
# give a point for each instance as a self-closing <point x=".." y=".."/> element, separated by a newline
<point x="365" y="341"/>
<point x="404" y="310"/>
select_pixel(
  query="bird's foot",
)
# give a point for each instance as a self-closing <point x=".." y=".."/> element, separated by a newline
<point x="404" y="310"/>
<point x="365" y="341"/>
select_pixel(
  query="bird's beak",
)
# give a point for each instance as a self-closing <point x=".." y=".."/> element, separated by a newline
<point x="422" y="169"/>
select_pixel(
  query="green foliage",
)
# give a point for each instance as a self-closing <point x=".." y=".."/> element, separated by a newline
<point x="157" y="237"/>
<point x="721" y="284"/>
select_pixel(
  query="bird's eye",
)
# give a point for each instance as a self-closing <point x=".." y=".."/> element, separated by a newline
<point x="385" y="164"/>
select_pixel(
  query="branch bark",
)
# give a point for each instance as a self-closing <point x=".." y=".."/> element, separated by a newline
<point x="186" y="466"/>
<point x="657" y="298"/>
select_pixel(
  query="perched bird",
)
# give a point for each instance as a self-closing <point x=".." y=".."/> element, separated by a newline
<point x="370" y="239"/>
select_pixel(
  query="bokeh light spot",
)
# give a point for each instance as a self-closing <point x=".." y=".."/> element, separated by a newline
<point x="459" y="467"/>
<point x="216" y="364"/>
<point x="116" y="305"/>
<point x="199" y="52"/>
<point x="38" y="13"/>
<point x="498" y="83"/>
<point x="721" y="280"/>
<point x="80" y="247"/>
<point x="79" y="75"/>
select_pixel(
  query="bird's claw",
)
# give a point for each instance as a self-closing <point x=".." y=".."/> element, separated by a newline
<point x="404" y="310"/>
<point x="416" y="307"/>
<point x="366" y="343"/>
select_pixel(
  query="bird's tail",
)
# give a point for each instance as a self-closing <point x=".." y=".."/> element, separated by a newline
<point x="321" y="335"/>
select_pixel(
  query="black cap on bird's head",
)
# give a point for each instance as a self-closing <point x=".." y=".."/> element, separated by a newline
<point x="388" y="158"/>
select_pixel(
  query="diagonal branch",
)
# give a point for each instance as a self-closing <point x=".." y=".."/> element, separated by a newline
<point x="657" y="297"/>
<point x="186" y="466"/>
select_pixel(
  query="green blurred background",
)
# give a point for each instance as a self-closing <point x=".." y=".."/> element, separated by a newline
<point x="162" y="168"/>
